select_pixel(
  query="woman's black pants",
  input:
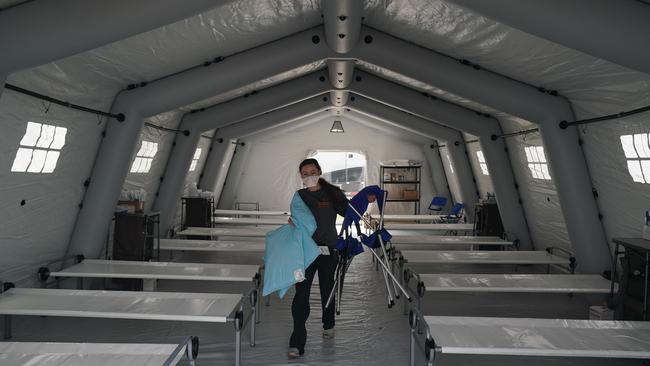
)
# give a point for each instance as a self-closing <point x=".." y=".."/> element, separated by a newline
<point x="326" y="266"/>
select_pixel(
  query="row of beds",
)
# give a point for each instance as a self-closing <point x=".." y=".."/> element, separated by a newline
<point x="413" y="258"/>
<point x="521" y="279"/>
<point x="241" y="310"/>
<point x="536" y="305"/>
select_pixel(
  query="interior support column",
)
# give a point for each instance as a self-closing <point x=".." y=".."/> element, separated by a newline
<point x="111" y="167"/>
<point x="171" y="187"/>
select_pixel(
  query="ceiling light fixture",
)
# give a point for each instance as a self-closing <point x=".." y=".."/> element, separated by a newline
<point x="337" y="127"/>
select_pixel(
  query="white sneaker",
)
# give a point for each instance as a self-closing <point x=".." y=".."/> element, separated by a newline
<point x="328" y="333"/>
<point x="293" y="353"/>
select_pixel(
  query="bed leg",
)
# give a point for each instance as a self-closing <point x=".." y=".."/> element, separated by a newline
<point x="239" y="321"/>
<point x="258" y="282"/>
<point x="413" y="320"/>
<point x="7" y="331"/>
<point x="253" y="316"/>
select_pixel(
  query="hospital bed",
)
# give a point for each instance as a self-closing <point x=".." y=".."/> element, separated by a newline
<point x="223" y="232"/>
<point x="220" y="212"/>
<point x="164" y="306"/>
<point x="428" y="242"/>
<point x="151" y="272"/>
<point x="524" y="291"/>
<point x="531" y="337"/>
<point x="388" y="218"/>
<point x="439" y="257"/>
<point x="430" y="227"/>
<point x="211" y="245"/>
<point x="249" y="221"/>
<point x="97" y="354"/>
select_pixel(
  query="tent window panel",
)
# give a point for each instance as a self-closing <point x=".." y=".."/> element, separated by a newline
<point x="627" y="141"/>
<point x="641" y="145"/>
<point x="39" y="149"/>
<point x="47" y="136"/>
<point x="482" y="163"/>
<point x="634" y="167"/>
<point x="144" y="157"/>
<point x="38" y="161"/>
<point x="32" y="134"/>
<point x="135" y="168"/>
<point x="50" y="161"/>
<point x="537" y="162"/>
<point x="637" y="152"/>
<point x="22" y="160"/>
<point x="195" y="159"/>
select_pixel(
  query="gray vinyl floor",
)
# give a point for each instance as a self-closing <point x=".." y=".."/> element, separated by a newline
<point x="367" y="332"/>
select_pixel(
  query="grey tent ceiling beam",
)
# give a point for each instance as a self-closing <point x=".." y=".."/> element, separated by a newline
<point x="264" y="101"/>
<point x="342" y="22"/>
<point x="213" y="176"/>
<point x="117" y="148"/>
<point x="340" y="72"/>
<point x="614" y="30"/>
<point x="463" y="119"/>
<point x="566" y="159"/>
<point x="384" y="127"/>
<point x="68" y="27"/>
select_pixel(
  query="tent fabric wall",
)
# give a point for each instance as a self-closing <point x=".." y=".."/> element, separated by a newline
<point x="276" y="159"/>
<point x="192" y="178"/>
<point x="149" y="182"/>
<point x="93" y="78"/>
<point x="539" y="197"/>
<point x="235" y="174"/>
<point x="483" y="182"/>
<point x="38" y="231"/>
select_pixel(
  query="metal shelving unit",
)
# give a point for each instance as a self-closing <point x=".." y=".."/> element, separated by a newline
<point x="397" y="179"/>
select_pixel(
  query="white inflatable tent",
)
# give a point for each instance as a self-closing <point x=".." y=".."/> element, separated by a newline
<point x="473" y="89"/>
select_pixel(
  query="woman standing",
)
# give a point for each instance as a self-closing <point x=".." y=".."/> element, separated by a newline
<point x="325" y="201"/>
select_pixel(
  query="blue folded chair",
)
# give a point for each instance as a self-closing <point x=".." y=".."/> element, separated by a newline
<point x="437" y="204"/>
<point x="455" y="215"/>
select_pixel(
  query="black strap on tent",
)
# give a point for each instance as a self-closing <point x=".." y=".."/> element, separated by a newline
<point x="184" y="132"/>
<point x="512" y="134"/>
<point x="119" y="116"/>
<point x="466" y="142"/>
<point x="564" y="124"/>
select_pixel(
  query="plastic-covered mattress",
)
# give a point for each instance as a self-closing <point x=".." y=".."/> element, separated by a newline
<point x="553" y="283"/>
<point x="87" y="354"/>
<point x="475" y="257"/>
<point x="540" y="337"/>
<point x="159" y="270"/>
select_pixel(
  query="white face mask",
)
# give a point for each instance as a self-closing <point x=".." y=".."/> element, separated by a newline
<point x="311" y="181"/>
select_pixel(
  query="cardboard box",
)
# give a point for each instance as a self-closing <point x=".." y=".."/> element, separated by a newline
<point x="132" y="206"/>
<point x="408" y="194"/>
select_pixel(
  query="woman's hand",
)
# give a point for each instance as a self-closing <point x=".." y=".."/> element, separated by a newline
<point x="291" y="222"/>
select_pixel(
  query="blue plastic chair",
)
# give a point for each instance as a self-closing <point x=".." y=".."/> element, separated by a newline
<point x="455" y="214"/>
<point x="437" y="204"/>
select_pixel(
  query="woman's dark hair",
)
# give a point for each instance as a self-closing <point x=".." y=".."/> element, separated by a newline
<point x="330" y="189"/>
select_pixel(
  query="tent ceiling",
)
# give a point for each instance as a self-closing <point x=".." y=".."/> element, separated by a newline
<point x="94" y="77"/>
<point x="593" y="85"/>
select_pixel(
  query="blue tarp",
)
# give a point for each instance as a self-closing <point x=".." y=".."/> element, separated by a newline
<point x="290" y="250"/>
